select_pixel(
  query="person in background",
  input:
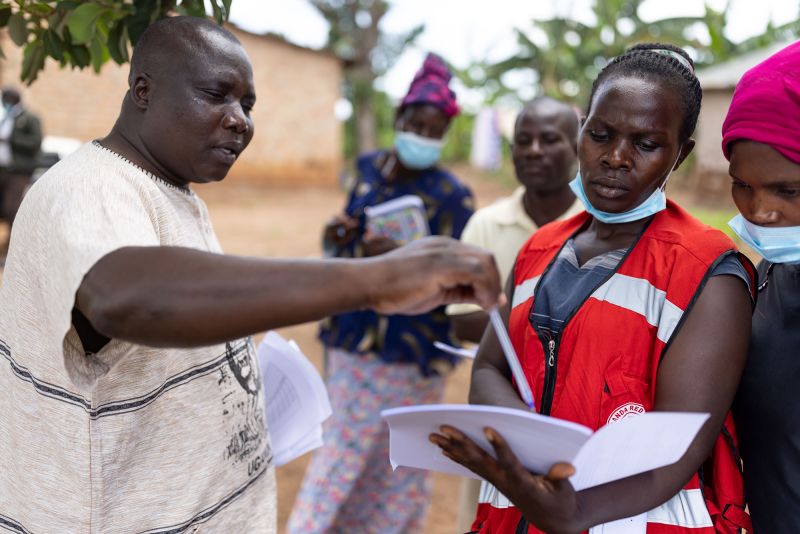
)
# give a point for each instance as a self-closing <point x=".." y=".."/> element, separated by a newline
<point x="20" y="142"/>
<point x="379" y="361"/>
<point x="610" y="312"/>
<point x="760" y="137"/>
<point x="544" y="152"/>
<point x="130" y="393"/>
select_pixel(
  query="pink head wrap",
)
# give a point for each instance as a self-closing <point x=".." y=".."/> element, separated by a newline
<point x="766" y="105"/>
<point x="430" y="87"/>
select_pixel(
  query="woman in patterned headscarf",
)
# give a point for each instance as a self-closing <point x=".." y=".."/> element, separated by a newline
<point x="376" y="361"/>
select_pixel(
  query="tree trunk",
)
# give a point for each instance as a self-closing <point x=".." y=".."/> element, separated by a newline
<point x="363" y="80"/>
<point x="366" y="131"/>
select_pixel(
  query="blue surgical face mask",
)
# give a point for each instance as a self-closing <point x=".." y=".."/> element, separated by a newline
<point x="417" y="152"/>
<point x="774" y="244"/>
<point x="653" y="204"/>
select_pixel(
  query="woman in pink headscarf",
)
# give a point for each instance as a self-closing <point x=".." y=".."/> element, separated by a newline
<point x="761" y="139"/>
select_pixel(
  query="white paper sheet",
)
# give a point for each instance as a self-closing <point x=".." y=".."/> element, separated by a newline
<point x="540" y="441"/>
<point x="457" y="351"/>
<point x="622" y="449"/>
<point x="634" y="445"/>
<point x="312" y="440"/>
<point x="296" y="399"/>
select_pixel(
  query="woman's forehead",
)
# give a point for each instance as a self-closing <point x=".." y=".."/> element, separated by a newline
<point x="637" y="101"/>
<point x="760" y="162"/>
<point x="426" y="112"/>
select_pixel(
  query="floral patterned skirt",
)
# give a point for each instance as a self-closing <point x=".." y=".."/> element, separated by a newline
<point x="349" y="485"/>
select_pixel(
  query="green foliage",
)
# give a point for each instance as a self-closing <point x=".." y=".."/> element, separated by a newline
<point x="384" y="113"/>
<point x="89" y="33"/>
<point x="458" y="142"/>
<point x="716" y="218"/>
<point x="566" y="55"/>
<point x="355" y="36"/>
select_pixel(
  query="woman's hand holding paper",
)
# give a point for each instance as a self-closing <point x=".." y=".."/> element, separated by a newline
<point x="547" y="501"/>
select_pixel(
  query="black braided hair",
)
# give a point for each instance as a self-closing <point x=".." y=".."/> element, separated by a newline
<point x="644" y="62"/>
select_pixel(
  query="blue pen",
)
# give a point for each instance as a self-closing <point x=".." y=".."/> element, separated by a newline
<point x="511" y="358"/>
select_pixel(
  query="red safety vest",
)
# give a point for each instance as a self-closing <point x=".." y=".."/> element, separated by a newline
<point x="603" y="366"/>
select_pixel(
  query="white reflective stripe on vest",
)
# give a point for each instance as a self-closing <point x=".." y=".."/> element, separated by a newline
<point x="630" y="525"/>
<point x="640" y="296"/>
<point x="489" y="495"/>
<point x="686" y="509"/>
<point x="524" y="291"/>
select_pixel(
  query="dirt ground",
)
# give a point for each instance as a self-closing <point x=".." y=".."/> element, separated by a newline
<point x="282" y="222"/>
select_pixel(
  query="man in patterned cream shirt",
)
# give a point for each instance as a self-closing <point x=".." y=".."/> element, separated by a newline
<point x="130" y="398"/>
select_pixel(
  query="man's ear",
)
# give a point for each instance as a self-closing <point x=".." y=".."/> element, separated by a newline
<point x="686" y="149"/>
<point x="140" y="90"/>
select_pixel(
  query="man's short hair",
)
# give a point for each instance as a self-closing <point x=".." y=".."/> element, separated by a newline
<point x="169" y="37"/>
<point x="571" y="119"/>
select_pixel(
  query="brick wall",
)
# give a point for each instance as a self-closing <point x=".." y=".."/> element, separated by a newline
<point x="297" y="137"/>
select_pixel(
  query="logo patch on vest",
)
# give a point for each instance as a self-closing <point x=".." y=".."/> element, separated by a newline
<point x="626" y="410"/>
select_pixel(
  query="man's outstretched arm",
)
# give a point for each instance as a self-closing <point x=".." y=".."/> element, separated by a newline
<point x="180" y="297"/>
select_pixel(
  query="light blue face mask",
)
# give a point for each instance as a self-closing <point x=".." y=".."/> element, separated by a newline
<point x="654" y="203"/>
<point x="417" y="152"/>
<point x="774" y="244"/>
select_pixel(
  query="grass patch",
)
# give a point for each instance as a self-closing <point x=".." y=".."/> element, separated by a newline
<point x="716" y="218"/>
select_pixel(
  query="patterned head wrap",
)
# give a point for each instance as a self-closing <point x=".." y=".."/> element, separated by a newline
<point x="430" y="87"/>
<point x="766" y="105"/>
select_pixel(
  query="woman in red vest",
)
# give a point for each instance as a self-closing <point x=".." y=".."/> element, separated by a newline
<point x="761" y="138"/>
<point x="630" y="306"/>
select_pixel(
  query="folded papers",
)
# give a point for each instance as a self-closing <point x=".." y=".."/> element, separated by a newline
<point x="296" y="399"/>
<point x="621" y="449"/>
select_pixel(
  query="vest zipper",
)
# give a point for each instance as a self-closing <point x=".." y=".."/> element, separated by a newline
<point x="551" y="358"/>
<point x="550" y="344"/>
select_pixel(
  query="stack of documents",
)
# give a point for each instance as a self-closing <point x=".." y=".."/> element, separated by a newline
<point x="296" y="399"/>
<point x="624" y="448"/>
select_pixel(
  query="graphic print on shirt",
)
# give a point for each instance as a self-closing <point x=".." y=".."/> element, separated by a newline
<point x="242" y="408"/>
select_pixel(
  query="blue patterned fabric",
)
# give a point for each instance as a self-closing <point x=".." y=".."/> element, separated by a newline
<point x="400" y="338"/>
